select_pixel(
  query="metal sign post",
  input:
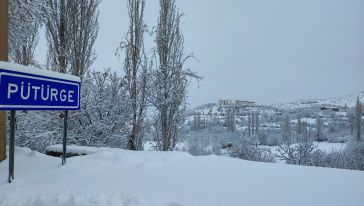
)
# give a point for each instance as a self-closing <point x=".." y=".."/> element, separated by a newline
<point x="11" y="146"/>
<point x="65" y="137"/>
<point x="26" y="88"/>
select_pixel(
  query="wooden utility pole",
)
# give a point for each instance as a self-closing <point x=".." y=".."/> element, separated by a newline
<point x="3" y="57"/>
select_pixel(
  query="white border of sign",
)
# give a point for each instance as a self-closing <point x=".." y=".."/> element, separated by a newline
<point x="40" y="106"/>
<point x="39" y="74"/>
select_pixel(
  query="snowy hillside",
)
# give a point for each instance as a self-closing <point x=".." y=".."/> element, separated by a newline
<point x="348" y="100"/>
<point x="334" y="115"/>
<point x="118" y="177"/>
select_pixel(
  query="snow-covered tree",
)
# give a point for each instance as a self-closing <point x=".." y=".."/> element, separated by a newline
<point x="84" y="30"/>
<point x="304" y="150"/>
<point x="286" y="130"/>
<point x="196" y="122"/>
<point x="296" y="149"/>
<point x="171" y="78"/>
<point x="352" y="121"/>
<point x="249" y="125"/>
<point x="38" y="129"/>
<point x="230" y="121"/>
<point x="299" y="126"/>
<point x="253" y="123"/>
<point x="137" y="72"/>
<point x="104" y="116"/>
<point x="71" y="33"/>
<point x="256" y="123"/>
<point x="245" y="149"/>
<point x="358" y="119"/>
<point x="319" y="135"/>
<point x="25" y="19"/>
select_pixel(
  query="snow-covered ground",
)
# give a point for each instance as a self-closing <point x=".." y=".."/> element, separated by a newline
<point x="330" y="147"/>
<point x="118" y="177"/>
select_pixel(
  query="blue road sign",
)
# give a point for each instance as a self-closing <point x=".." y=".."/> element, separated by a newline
<point x="25" y="88"/>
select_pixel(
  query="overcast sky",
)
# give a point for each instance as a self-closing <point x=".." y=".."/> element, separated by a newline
<point x="262" y="50"/>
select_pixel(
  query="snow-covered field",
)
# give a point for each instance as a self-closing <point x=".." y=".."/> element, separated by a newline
<point x="118" y="177"/>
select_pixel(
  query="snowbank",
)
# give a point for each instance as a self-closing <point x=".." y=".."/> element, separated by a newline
<point x="117" y="177"/>
<point x="75" y="149"/>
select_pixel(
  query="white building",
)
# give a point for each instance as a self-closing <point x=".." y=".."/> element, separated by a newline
<point x="225" y="102"/>
<point x="244" y="103"/>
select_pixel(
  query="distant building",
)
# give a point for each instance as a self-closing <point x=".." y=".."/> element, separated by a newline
<point x="244" y="103"/>
<point x="225" y="102"/>
<point x="240" y="103"/>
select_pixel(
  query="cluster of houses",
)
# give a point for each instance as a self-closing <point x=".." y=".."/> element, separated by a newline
<point x="241" y="103"/>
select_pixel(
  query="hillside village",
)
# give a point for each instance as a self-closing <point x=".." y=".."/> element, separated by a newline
<point x="322" y="121"/>
<point x="330" y="111"/>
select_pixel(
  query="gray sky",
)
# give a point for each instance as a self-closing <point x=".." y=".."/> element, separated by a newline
<point x="262" y="50"/>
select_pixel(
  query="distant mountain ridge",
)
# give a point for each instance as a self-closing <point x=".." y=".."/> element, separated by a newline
<point x="348" y="100"/>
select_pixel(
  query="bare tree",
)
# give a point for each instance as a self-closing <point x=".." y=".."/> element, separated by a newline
<point x="299" y="126"/>
<point x="249" y="124"/>
<point x="24" y="54"/>
<point x="257" y="123"/>
<point x="318" y="129"/>
<point x="358" y="121"/>
<point x="304" y="131"/>
<point x="286" y="130"/>
<point x="352" y="120"/>
<point x="84" y="29"/>
<point x="172" y="78"/>
<point x="71" y="33"/>
<point x="58" y="34"/>
<point x="137" y="71"/>
<point x="253" y="123"/>
<point x="299" y="152"/>
<point x="230" y="121"/>
<point x="197" y="122"/>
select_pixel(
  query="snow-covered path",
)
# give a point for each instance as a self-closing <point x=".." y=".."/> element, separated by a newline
<point x="118" y="177"/>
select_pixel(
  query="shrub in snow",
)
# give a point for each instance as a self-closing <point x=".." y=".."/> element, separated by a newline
<point x="38" y="129"/>
<point x="274" y="139"/>
<point x="297" y="153"/>
<point x="204" y="143"/>
<point x="209" y="141"/>
<point x="306" y="153"/>
<point x="354" y="155"/>
<point x="244" y="149"/>
<point x="102" y="121"/>
<point x="198" y="149"/>
<point x="263" y="138"/>
<point x="333" y="159"/>
<point x="104" y="115"/>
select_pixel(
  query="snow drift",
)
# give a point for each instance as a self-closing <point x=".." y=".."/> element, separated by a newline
<point x="119" y="177"/>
